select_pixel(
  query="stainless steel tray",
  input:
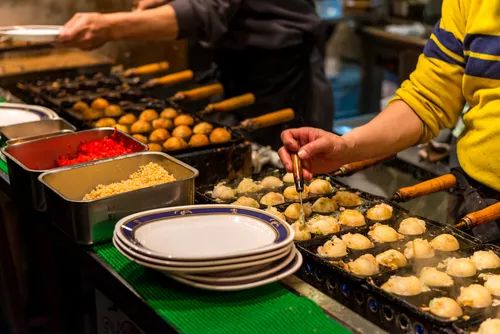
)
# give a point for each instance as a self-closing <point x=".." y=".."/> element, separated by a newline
<point x="21" y="132"/>
<point x="27" y="160"/>
<point x="88" y="222"/>
<point x="38" y="111"/>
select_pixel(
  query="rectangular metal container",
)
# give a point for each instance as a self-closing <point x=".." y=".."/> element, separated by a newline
<point x="27" y="160"/>
<point x="16" y="133"/>
<point x="88" y="222"/>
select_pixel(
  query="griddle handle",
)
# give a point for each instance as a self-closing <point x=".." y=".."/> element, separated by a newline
<point x="147" y="69"/>
<point x="267" y="120"/>
<point x="233" y="103"/>
<point x="349" y="169"/>
<point x="199" y="93"/>
<point x="171" y="79"/>
<point x="484" y="216"/>
<point x="440" y="183"/>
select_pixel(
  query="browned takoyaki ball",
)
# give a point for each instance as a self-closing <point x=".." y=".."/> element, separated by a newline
<point x="155" y="147"/>
<point x="203" y="128"/>
<point x="105" y="122"/>
<point x="80" y="106"/>
<point x="141" y="126"/>
<point x="198" y="140"/>
<point x="141" y="138"/>
<point x="148" y="115"/>
<point x="122" y="128"/>
<point x="99" y="103"/>
<point x="174" y="143"/>
<point x="184" y="120"/>
<point x="169" y="113"/>
<point x="159" y="135"/>
<point x="162" y="123"/>
<point x="113" y="110"/>
<point x="220" y="135"/>
<point x="182" y="131"/>
<point x="91" y="114"/>
<point x="127" y="119"/>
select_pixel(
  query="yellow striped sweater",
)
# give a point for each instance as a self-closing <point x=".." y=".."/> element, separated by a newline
<point x="461" y="63"/>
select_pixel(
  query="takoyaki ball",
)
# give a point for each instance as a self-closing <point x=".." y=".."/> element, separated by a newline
<point x="99" y="104"/>
<point x="334" y="247"/>
<point x="432" y="277"/>
<point x="489" y="326"/>
<point x="292" y="212"/>
<point x="492" y="283"/>
<point x="419" y="249"/>
<point x="184" y="120"/>
<point x="122" y="128"/>
<point x="182" y="131"/>
<point x="198" y="140"/>
<point x="272" y="199"/>
<point x="412" y="226"/>
<point x="219" y="136"/>
<point x="475" y="296"/>
<point x="320" y="187"/>
<point x="154" y="147"/>
<point x="291" y="193"/>
<point x="353" y="218"/>
<point x="301" y="231"/>
<point x="485" y="260"/>
<point x="445" y="307"/>
<point x="379" y="212"/>
<point x="203" y="128"/>
<point x="276" y="212"/>
<point x="324" y="205"/>
<point x="445" y="243"/>
<point x="80" y="106"/>
<point x="288" y="178"/>
<point x="384" y="233"/>
<point x="113" y="110"/>
<point x="461" y="267"/>
<point x="247" y="185"/>
<point x="105" y="122"/>
<point x="159" y="135"/>
<point x="404" y="286"/>
<point x="162" y="123"/>
<point x="357" y="241"/>
<point x="140" y="126"/>
<point x="365" y="265"/>
<point x="148" y="115"/>
<point x="323" y="225"/>
<point x="169" y="113"/>
<point x="347" y="199"/>
<point x="392" y="259"/>
<point x="174" y="144"/>
<point x="142" y="138"/>
<point x="127" y="119"/>
<point x="247" y="201"/>
<point x="271" y="182"/>
<point x="91" y="114"/>
<point x="223" y="192"/>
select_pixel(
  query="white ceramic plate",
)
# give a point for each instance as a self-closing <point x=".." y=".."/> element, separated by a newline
<point x="207" y="269"/>
<point x="203" y="232"/>
<point x="13" y="113"/>
<point x="287" y="271"/>
<point x="31" y="33"/>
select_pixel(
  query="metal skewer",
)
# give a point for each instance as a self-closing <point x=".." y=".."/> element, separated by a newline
<point x="298" y="178"/>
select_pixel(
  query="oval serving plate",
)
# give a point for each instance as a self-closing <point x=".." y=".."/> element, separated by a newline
<point x="16" y="113"/>
<point x="31" y="33"/>
<point x="203" y="232"/>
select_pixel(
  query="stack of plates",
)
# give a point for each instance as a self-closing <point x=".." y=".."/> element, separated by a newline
<point x="214" y="247"/>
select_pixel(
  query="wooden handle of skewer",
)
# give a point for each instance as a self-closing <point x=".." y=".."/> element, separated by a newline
<point x="171" y="79"/>
<point x="147" y="69"/>
<point x="231" y="104"/>
<point x="349" y="169"/>
<point x="264" y="121"/>
<point x="199" y="93"/>
<point x="484" y="216"/>
<point x="443" y="182"/>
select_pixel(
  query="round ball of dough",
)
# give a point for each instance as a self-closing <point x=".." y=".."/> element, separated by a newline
<point x="392" y="259"/>
<point x="418" y="249"/>
<point x="301" y="231"/>
<point x="485" y="260"/>
<point x="384" y="233"/>
<point x="174" y="144"/>
<point x="357" y="241"/>
<point x="247" y="201"/>
<point x="154" y="147"/>
<point x="91" y="114"/>
<point x="169" y="113"/>
<point x="492" y="283"/>
<point x="203" y="128"/>
<point x="113" y="110"/>
<point x="445" y="307"/>
<point x="462" y="267"/>
<point x="99" y="104"/>
<point x="323" y="225"/>
<point x="272" y="199"/>
<point x="105" y="122"/>
<point x="141" y="126"/>
<point x="404" y="286"/>
<point x="184" y="120"/>
<point x="320" y="187"/>
<point x="220" y="135"/>
<point x="489" y="326"/>
<point x="276" y="212"/>
<point x="159" y="135"/>
<point x="143" y="139"/>
<point x="412" y="226"/>
<point x="182" y="131"/>
<point x="445" y="243"/>
<point x="324" y="205"/>
<point x="334" y="247"/>
<point x="80" y="106"/>
<point x="347" y="199"/>
<point x="288" y="178"/>
<point x="430" y="276"/>
<point x="379" y="212"/>
<point x="162" y="123"/>
<point x="365" y="265"/>
<point x="127" y="119"/>
<point x="291" y="193"/>
<point x="122" y="128"/>
<point x="353" y="218"/>
<point x="475" y="296"/>
<point x="223" y="192"/>
<point x="271" y="182"/>
<point x="292" y="212"/>
<point x="248" y="185"/>
<point x="198" y="140"/>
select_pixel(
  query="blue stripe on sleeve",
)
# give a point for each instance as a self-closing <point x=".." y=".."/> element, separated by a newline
<point x="489" y="69"/>
<point x="431" y="50"/>
<point x="485" y="44"/>
<point x="449" y="40"/>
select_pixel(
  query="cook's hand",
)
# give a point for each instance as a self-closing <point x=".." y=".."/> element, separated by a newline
<point x="148" y="4"/>
<point x="85" y="31"/>
<point x="319" y="150"/>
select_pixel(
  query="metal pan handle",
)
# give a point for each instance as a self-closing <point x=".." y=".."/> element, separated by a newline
<point x="484" y="216"/>
<point x="354" y="167"/>
<point x="443" y="182"/>
<point x="267" y="120"/>
<point x="230" y="104"/>
<point x="147" y="69"/>
<point x="199" y="93"/>
<point x="171" y="79"/>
